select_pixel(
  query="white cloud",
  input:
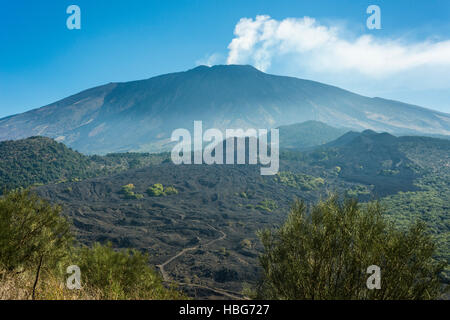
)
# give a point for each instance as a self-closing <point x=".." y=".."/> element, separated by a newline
<point x="209" y="60"/>
<point x="307" y="45"/>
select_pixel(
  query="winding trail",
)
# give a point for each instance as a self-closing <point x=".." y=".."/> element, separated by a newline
<point x="166" y="277"/>
<point x="229" y="294"/>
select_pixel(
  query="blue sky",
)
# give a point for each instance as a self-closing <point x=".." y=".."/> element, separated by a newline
<point x="41" y="61"/>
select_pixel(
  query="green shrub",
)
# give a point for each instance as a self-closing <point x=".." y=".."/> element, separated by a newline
<point x="324" y="253"/>
<point x="136" y="196"/>
<point x="158" y="190"/>
<point x="128" y="192"/>
<point x="170" y="190"/>
<point x="128" y="188"/>
<point x="299" y="181"/>
<point x="32" y="232"/>
<point x="246" y="244"/>
<point x="120" y="274"/>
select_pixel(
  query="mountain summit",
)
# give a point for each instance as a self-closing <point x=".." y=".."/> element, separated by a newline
<point x="140" y="115"/>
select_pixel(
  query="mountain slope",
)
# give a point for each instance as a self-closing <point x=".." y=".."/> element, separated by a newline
<point x="141" y="115"/>
<point x="308" y="134"/>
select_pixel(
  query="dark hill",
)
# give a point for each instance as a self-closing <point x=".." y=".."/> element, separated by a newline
<point x="38" y="160"/>
<point x="387" y="162"/>
<point x="41" y="160"/>
<point x="370" y="158"/>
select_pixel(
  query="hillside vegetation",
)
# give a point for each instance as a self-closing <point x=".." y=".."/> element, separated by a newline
<point x="41" y="160"/>
<point x="130" y="208"/>
<point x="145" y="202"/>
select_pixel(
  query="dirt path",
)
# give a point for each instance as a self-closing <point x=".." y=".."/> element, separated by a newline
<point x="166" y="276"/>
<point x="229" y="294"/>
<point x="162" y="266"/>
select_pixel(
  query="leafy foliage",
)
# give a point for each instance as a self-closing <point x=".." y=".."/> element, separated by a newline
<point x="120" y="274"/>
<point x="158" y="190"/>
<point x="431" y="206"/>
<point x="300" y="181"/>
<point x="30" y="230"/>
<point x="39" y="160"/>
<point x="325" y="255"/>
<point x="170" y="190"/>
<point x="128" y="192"/>
<point x="36" y="246"/>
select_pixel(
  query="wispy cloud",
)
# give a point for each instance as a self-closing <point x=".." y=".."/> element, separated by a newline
<point x="315" y="47"/>
<point x="210" y="59"/>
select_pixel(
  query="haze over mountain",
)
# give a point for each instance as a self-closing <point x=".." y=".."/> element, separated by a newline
<point x="308" y="134"/>
<point x="141" y="115"/>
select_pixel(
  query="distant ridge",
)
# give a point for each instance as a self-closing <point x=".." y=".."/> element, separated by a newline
<point x="308" y="134"/>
